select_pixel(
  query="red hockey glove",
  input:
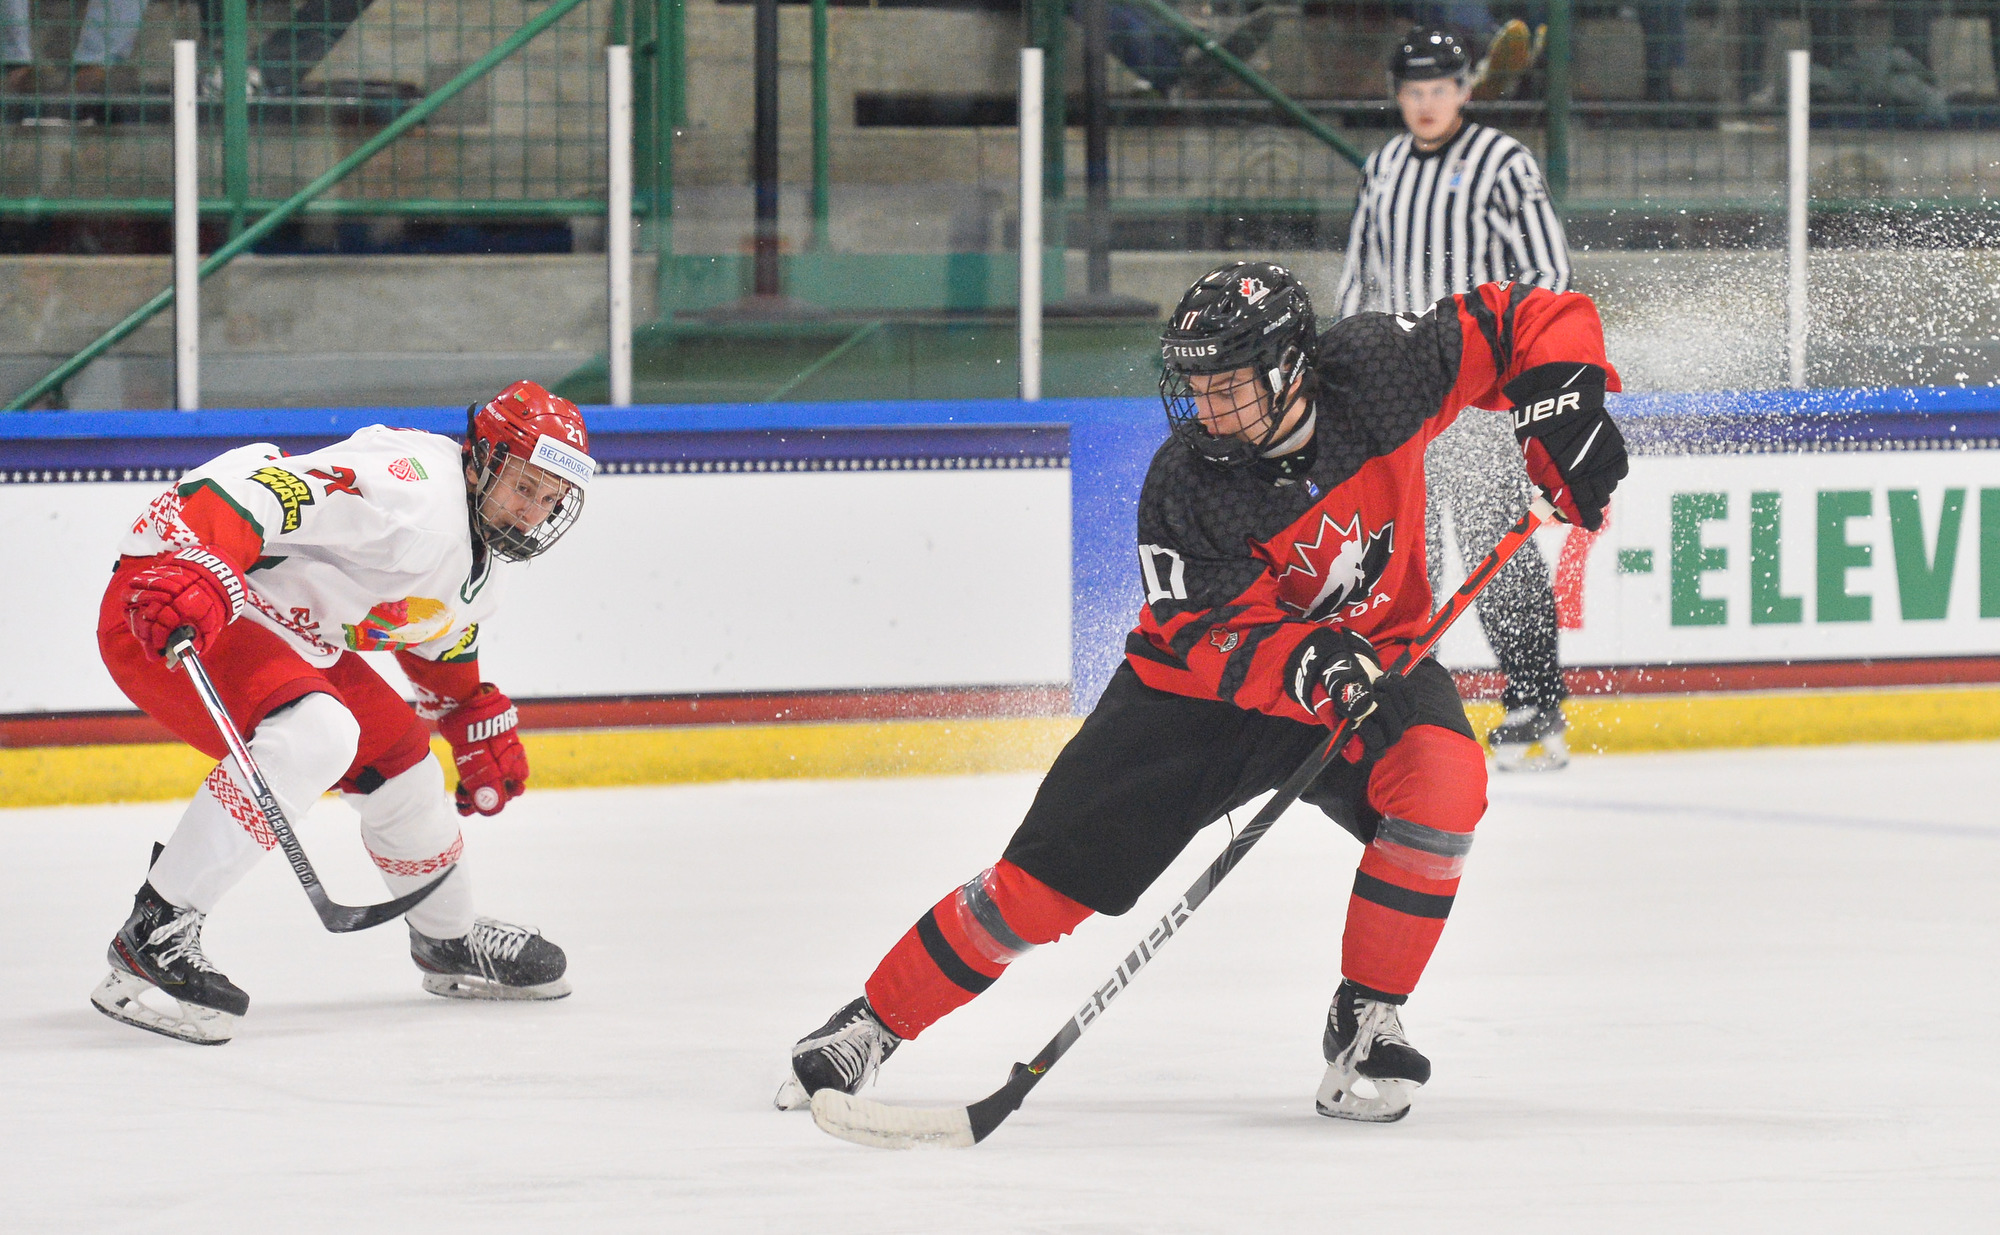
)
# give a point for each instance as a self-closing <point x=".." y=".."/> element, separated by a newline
<point x="1574" y="451"/>
<point x="492" y="767"/>
<point x="1336" y="675"/>
<point x="194" y="587"/>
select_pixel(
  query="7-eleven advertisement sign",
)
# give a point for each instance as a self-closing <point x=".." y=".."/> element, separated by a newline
<point x="1781" y="557"/>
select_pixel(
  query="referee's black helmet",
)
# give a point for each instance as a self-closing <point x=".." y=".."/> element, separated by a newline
<point x="1427" y="53"/>
<point x="1252" y="316"/>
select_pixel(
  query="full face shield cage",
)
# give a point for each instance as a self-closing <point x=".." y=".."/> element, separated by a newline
<point x="1255" y="387"/>
<point x="497" y="469"/>
<point x="1254" y="320"/>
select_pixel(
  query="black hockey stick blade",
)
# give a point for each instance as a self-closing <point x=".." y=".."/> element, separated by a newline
<point x="340" y="919"/>
<point x="336" y="917"/>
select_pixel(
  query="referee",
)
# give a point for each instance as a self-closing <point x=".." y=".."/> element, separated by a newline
<point x="1443" y="208"/>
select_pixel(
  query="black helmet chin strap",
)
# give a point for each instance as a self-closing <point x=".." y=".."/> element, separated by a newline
<point x="1282" y="379"/>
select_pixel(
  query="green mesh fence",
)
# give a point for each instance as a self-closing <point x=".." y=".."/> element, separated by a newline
<point x="84" y="115"/>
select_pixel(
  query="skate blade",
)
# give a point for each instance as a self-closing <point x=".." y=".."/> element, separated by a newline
<point x="1339" y="1098"/>
<point x="792" y="1096"/>
<point x="118" y="998"/>
<point x="1547" y="755"/>
<point x="470" y="986"/>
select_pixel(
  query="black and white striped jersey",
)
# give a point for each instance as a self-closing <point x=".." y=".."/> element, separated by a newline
<point x="1427" y="226"/>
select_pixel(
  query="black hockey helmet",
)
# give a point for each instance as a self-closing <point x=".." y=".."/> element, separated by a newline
<point x="1251" y="316"/>
<point x="1427" y="53"/>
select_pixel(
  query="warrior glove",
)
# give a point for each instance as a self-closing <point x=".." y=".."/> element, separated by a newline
<point x="1575" y="453"/>
<point x="492" y="767"/>
<point x="1336" y="675"/>
<point x="195" y="587"/>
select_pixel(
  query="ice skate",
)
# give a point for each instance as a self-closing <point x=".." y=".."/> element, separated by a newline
<point x="158" y="953"/>
<point x="1512" y="53"/>
<point x="1371" y="1069"/>
<point x="495" y="960"/>
<point x="842" y="1054"/>
<point x="1531" y="739"/>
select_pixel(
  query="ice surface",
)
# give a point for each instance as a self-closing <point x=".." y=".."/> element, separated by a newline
<point x="1722" y="991"/>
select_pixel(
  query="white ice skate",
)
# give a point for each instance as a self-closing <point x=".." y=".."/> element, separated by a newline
<point x="1371" y="1069"/>
<point x="1531" y="739"/>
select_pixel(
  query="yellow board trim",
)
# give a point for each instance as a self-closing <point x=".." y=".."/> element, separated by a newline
<point x="76" y="775"/>
<point x="1632" y="724"/>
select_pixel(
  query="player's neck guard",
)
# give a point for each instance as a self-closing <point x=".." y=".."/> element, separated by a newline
<point x="1293" y="457"/>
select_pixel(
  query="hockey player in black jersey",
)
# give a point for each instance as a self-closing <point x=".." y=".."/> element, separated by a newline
<point x="1281" y="551"/>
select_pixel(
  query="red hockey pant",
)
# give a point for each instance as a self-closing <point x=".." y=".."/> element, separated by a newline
<point x="256" y="673"/>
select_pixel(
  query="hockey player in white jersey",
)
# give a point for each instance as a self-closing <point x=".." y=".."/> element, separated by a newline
<point x="286" y="567"/>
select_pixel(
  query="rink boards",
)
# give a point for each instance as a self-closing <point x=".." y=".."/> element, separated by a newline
<point x="1735" y="560"/>
<point x="898" y="563"/>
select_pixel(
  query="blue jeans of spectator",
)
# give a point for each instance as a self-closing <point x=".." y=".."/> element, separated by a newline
<point x="105" y="36"/>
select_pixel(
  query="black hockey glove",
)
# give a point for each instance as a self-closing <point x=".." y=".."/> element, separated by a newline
<point x="1336" y="675"/>
<point x="1574" y="451"/>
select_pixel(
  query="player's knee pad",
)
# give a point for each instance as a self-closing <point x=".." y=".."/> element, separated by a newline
<point x="409" y="750"/>
<point x="1435" y="778"/>
<point x="1004" y="911"/>
<point x="304" y="747"/>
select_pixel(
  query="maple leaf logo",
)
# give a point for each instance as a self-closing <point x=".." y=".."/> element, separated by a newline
<point x="1346" y="561"/>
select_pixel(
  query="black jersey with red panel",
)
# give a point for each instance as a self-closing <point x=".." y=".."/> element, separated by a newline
<point x="1240" y="565"/>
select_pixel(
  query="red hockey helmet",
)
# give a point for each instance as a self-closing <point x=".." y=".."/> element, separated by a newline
<point x="527" y="453"/>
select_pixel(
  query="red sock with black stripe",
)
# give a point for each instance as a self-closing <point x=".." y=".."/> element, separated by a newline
<point x="964" y="943"/>
<point x="1431" y="790"/>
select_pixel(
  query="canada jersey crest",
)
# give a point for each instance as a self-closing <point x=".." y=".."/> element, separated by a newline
<point x="1336" y="570"/>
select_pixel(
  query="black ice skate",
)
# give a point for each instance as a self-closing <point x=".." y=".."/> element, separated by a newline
<point x="842" y="1054"/>
<point x="1530" y="739"/>
<point x="1370" y="1068"/>
<point x="159" y="950"/>
<point x="494" y="960"/>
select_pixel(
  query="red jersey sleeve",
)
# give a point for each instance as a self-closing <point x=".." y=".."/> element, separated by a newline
<point x="1506" y="329"/>
<point x="221" y="525"/>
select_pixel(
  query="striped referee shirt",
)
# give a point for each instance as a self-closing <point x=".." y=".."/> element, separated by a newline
<point x="1428" y="225"/>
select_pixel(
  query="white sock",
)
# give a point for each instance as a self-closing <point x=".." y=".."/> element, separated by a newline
<point x="412" y="833"/>
<point x="301" y="750"/>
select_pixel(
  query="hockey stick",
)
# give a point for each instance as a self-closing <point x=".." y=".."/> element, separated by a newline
<point x="867" y="1122"/>
<point x="337" y="918"/>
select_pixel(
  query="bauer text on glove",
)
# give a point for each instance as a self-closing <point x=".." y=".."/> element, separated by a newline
<point x="1574" y="451"/>
<point x="492" y="767"/>
<point x="1336" y="675"/>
